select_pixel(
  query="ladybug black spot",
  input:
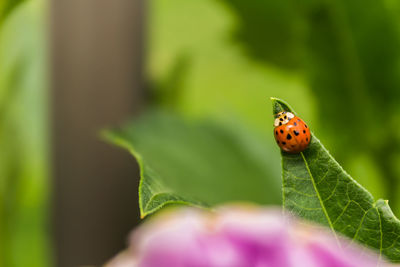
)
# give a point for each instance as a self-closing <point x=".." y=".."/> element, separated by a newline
<point x="288" y="137"/>
<point x="276" y="132"/>
<point x="281" y="131"/>
<point x="307" y="139"/>
<point x="283" y="143"/>
<point x="304" y="131"/>
<point x="296" y="133"/>
<point x="295" y="123"/>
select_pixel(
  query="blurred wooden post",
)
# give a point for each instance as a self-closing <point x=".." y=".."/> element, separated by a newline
<point x="96" y="80"/>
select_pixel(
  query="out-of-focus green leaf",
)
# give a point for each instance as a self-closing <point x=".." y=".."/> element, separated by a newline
<point x="197" y="69"/>
<point x="6" y="6"/>
<point x="270" y="31"/>
<point x="23" y="136"/>
<point x="317" y="188"/>
<point x="198" y="163"/>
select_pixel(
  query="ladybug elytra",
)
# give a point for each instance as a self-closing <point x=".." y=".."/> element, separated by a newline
<point x="291" y="133"/>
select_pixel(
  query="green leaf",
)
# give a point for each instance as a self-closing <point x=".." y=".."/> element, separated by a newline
<point x="198" y="163"/>
<point x="317" y="188"/>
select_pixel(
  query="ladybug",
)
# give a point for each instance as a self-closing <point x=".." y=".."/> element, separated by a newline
<point x="291" y="133"/>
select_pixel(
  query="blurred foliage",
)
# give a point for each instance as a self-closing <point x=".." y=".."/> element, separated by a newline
<point x="201" y="163"/>
<point x="336" y="60"/>
<point x="6" y="6"/>
<point x="23" y="135"/>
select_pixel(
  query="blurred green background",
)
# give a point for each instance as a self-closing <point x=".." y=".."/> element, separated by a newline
<point x="23" y="135"/>
<point x="335" y="61"/>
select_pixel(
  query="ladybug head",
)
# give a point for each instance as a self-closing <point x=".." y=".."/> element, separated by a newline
<point x="283" y="118"/>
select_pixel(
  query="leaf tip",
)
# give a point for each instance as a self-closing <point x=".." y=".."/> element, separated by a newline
<point x="279" y="105"/>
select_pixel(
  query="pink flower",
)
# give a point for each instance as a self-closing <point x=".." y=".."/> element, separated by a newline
<point x="238" y="236"/>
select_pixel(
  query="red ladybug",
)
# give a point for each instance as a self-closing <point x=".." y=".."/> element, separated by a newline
<point x="291" y="133"/>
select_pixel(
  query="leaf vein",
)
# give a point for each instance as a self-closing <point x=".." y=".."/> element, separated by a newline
<point x="297" y="177"/>
<point x="359" y="226"/>
<point x="323" y="177"/>
<point x="319" y="197"/>
<point x="304" y="208"/>
<point x="301" y="193"/>
<point x="343" y="211"/>
<point x="333" y="191"/>
<point x="380" y="230"/>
